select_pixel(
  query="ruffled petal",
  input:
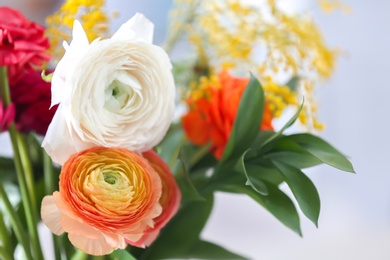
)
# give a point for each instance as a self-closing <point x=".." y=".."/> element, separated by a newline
<point x="51" y="215"/>
<point x="138" y="28"/>
<point x="103" y="245"/>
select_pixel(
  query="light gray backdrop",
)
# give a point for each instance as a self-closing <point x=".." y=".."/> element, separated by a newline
<point x="355" y="104"/>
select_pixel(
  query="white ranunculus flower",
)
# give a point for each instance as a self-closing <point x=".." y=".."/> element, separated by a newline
<point x="117" y="92"/>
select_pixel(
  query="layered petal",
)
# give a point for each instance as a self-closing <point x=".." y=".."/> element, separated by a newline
<point x="107" y="196"/>
<point x="170" y="199"/>
<point x="117" y="92"/>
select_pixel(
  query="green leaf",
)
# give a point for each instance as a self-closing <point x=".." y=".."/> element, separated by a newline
<point x="303" y="189"/>
<point x="121" y="255"/>
<point x="180" y="235"/>
<point x="257" y="184"/>
<point x="276" y="202"/>
<point x="206" y="162"/>
<point x="287" y="125"/>
<point x="297" y="160"/>
<point x="293" y="83"/>
<point x="169" y="148"/>
<point x="265" y="172"/>
<point x="208" y="250"/>
<point x="189" y="191"/>
<point x="193" y="154"/>
<point x="323" y="151"/>
<point x="288" y="151"/>
<point x="247" y="122"/>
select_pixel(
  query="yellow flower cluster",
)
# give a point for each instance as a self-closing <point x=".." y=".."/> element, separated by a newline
<point x="201" y="89"/>
<point x="261" y="38"/>
<point x="278" y="98"/>
<point x="329" y="6"/>
<point x="91" y="15"/>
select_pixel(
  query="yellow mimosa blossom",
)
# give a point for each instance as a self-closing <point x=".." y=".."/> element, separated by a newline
<point x="263" y="39"/>
<point x="91" y="15"/>
<point x="329" y="6"/>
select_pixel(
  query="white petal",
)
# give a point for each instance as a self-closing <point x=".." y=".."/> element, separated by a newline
<point x="74" y="52"/>
<point x="61" y="141"/>
<point x="138" y="28"/>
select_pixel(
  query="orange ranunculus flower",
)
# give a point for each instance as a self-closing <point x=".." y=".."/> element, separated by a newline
<point x="107" y="197"/>
<point x="170" y="199"/>
<point x="211" y="117"/>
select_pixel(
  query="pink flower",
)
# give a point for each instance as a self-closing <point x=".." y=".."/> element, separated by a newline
<point x="107" y="197"/>
<point x="32" y="96"/>
<point x="170" y="199"/>
<point x="6" y="116"/>
<point x="22" y="43"/>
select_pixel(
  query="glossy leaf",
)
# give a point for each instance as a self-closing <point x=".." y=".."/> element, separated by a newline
<point x="276" y="202"/>
<point x="265" y="173"/>
<point x="303" y="189"/>
<point x="257" y="184"/>
<point x="207" y="250"/>
<point x="323" y="151"/>
<point x="247" y="122"/>
<point x="288" y="151"/>
<point x="297" y="160"/>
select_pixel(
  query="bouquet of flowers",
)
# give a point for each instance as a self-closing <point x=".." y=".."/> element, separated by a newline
<point x="120" y="176"/>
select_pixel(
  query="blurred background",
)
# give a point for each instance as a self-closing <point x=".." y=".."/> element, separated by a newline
<point x="354" y="105"/>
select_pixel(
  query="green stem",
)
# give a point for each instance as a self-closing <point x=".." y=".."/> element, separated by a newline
<point x="27" y="168"/>
<point x="15" y="223"/>
<point x="5" y="237"/>
<point x="30" y="211"/>
<point x="50" y="187"/>
<point x="50" y="177"/>
<point x="4" y="254"/>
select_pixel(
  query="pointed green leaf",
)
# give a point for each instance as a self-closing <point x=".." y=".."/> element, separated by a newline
<point x="247" y="122"/>
<point x="182" y="232"/>
<point x="303" y="189"/>
<point x="297" y="160"/>
<point x="288" y="151"/>
<point x="265" y="173"/>
<point x="208" y="250"/>
<point x="280" y="132"/>
<point x="276" y="202"/>
<point x="323" y="151"/>
<point x="257" y="184"/>
<point x="293" y="83"/>
<point x="287" y="125"/>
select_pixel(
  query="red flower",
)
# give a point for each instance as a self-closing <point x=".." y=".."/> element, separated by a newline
<point x="22" y="43"/>
<point x="31" y="96"/>
<point x="211" y="118"/>
<point x="6" y="116"/>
